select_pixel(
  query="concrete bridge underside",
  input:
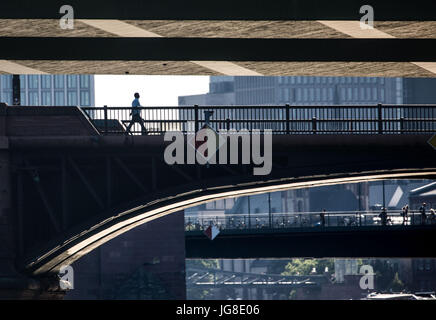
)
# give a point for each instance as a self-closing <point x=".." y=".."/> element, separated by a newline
<point x="279" y="37"/>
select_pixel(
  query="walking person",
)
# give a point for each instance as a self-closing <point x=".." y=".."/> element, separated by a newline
<point x="423" y="214"/>
<point x="136" y="115"/>
<point x="322" y="217"/>
<point x="383" y="216"/>
<point x="405" y="214"/>
<point x="432" y="216"/>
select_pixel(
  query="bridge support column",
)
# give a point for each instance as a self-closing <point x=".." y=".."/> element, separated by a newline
<point x="13" y="284"/>
<point x="7" y="248"/>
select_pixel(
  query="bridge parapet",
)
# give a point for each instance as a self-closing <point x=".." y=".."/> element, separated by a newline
<point x="280" y="119"/>
<point x="44" y="121"/>
<point x="307" y="221"/>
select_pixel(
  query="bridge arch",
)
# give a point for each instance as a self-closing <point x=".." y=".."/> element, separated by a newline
<point x="82" y="240"/>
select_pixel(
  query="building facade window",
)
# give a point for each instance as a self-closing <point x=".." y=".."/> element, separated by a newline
<point x="23" y="98"/>
<point x="330" y="94"/>
<point x="342" y="94"/>
<point x="33" y="82"/>
<point x="7" y="97"/>
<point x="72" y="98"/>
<point x="362" y="93"/>
<point x="312" y="94"/>
<point x="33" y="98"/>
<point x="350" y="93"/>
<point x="59" y="82"/>
<point x="59" y="98"/>
<point x="286" y="97"/>
<point x="46" y="98"/>
<point x="45" y="82"/>
<point x="318" y="94"/>
<point x="84" y="98"/>
<point x="6" y="81"/>
<point x="23" y="82"/>
<point x="368" y="93"/>
<point x="71" y="81"/>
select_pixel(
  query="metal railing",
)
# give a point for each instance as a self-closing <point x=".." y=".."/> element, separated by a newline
<point x="259" y="221"/>
<point x="285" y="119"/>
<point x="209" y="277"/>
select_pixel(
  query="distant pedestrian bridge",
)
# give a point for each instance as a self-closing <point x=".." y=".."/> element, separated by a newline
<point x="283" y="235"/>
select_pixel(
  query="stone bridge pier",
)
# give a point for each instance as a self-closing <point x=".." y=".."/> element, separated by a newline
<point x="15" y="283"/>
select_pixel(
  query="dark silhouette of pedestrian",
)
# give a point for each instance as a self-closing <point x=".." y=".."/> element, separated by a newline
<point x="423" y="213"/>
<point x="322" y="216"/>
<point x="136" y="115"/>
<point x="405" y="214"/>
<point x="432" y="216"/>
<point x="383" y="216"/>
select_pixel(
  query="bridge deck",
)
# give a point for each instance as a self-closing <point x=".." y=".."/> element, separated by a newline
<point x="376" y="241"/>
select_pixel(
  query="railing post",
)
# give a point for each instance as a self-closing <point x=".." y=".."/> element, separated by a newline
<point x="380" y="119"/>
<point x="402" y="125"/>
<point x="105" y="120"/>
<point x="288" y="118"/>
<point x="196" y="117"/>
<point x="314" y="125"/>
<point x="228" y="124"/>
<point x="269" y="209"/>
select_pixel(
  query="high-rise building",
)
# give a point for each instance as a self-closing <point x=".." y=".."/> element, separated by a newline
<point x="314" y="91"/>
<point x="50" y="90"/>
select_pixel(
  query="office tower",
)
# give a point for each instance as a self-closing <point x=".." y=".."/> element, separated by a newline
<point x="314" y="91"/>
<point x="50" y="90"/>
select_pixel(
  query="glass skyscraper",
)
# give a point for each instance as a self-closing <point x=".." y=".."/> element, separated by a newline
<point x="312" y="91"/>
<point x="50" y="90"/>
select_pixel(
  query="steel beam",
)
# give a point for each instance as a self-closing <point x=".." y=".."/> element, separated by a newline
<point x="86" y="183"/>
<point x="54" y="220"/>
<point x="221" y="10"/>
<point x="130" y="174"/>
<point x="217" y="49"/>
<point x="64" y="190"/>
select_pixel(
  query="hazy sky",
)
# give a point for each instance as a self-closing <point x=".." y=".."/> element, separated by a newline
<point x="118" y="90"/>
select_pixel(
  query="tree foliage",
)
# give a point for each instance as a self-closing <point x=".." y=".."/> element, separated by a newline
<point x="305" y="266"/>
